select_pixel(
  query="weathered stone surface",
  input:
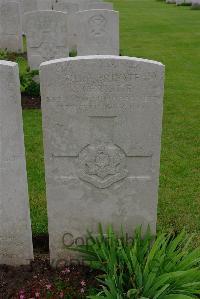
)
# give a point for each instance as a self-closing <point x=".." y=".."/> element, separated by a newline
<point x="83" y="3"/>
<point x="97" y="32"/>
<point x="72" y="33"/>
<point x="28" y="5"/>
<point x="62" y="5"/>
<point x="102" y="119"/>
<point x="15" y="228"/>
<point x="11" y="27"/>
<point x="44" y="4"/>
<point x="46" y="33"/>
<point x="98" y="5"/>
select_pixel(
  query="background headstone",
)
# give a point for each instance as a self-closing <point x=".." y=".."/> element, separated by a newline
<point x="102" y="118"/>
<point x="46" y="33"/>
<point x="11" y="27"/>
<point x="15" y="228"/>
<point x="97" y="32"/>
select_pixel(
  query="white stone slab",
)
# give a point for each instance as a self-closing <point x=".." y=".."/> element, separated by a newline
<point x="97" y="32"/>
<point x="11" y="27"/>
<point x="46" y="33"/>
<point x="15" y="228"/>
<point x="102" y="118"/>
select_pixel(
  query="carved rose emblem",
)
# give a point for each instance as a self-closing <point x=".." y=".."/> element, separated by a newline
<point x="102" y="165"/>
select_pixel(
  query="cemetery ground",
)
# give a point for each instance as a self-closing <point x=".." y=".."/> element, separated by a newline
<point x="153" y="30"/>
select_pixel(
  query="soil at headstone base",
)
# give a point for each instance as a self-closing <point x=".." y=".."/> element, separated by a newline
<point x="29" y="102"/>
<point x="40" y="280"/>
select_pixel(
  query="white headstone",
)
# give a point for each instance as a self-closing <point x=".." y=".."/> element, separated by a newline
<point x="11" y="27"/>
<point x="102" y="118"/>
<point x="15" y="228"/>
<point x="97" y="32"/>
<point x="46" y="33"/>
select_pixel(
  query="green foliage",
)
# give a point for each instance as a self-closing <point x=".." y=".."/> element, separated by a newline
<point x="73" y="53"/>
<point x="3" y="55"/>
<point x="27" y="78"/>
<point x="164" y="267"/>
<point x="28" y="85"/>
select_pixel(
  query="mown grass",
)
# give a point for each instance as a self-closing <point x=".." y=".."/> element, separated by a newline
<point x="170" y="34"/>
<point x="35" y="168"/>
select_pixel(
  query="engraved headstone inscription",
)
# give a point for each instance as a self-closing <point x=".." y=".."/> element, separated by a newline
<point x="102" y="118"/>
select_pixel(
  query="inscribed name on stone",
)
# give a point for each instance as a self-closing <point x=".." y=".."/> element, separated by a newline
<point x="102" y="118"/>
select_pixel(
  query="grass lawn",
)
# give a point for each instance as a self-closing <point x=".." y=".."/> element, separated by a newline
<point x="154" y="30"/>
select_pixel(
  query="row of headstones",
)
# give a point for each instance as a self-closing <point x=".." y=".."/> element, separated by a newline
<point x="53" y="34"/>
<point x="102" y="119"/>
<point x="189" y="2"/>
